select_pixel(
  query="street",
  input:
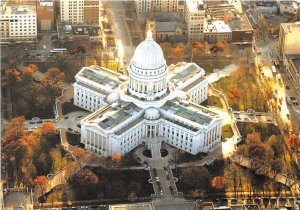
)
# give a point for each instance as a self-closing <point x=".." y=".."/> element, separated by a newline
<point x="120" y="28"/>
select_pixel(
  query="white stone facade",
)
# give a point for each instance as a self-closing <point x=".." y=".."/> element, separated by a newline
<point x="129" y="115"/>
<point x="18" y="23"/>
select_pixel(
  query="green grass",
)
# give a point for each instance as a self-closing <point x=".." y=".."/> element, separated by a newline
<point x="215" y="101"/>
<point x="226" y="132"/>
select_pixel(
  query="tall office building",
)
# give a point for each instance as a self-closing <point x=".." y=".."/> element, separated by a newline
<point x="195" y="16"/>
<point x="144" y="6"/>
<point x="80" y="11"/>
<point x="289" y="46"/>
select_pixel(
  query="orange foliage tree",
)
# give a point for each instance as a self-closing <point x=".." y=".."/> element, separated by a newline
<point x="78" y="152"/>
<point x="199" y="47"/>
<point x="234" y="94"/>
<point x="116" y="158"/>
<point x="177" y="52"/>
<point x="53" y="76"/>
<point x="218" y="182"/>
<point x="48" y="128"/>
<point x="42" y="181"/>
<point x="11" y="75"/>
<point x="31" y="68"/>
<point x="14" y="131"/>
<point x="222" y="44"/>
<point x="293" y="143"/>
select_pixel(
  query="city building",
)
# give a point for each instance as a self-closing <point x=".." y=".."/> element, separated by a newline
<point x="18" y="23"/>
<point x="167" y="31"/>
<point x="195" y="15"/>
<point x="291" y="7"/>
<point x="289" y="38"/>
<point x="143" y="7"/>
<point x="45" y="16"/>
<point x="289" y="46"/>
<point x="154" y="104"/>
<point x="271" y="22"/>
<point x="46" y="3"/>
<point x="242" y="31"/>
<point x="79" y="34"/>
<point x="80" y="11"/>
<point x="217" y="10"/>
<point x="216" y="30"/>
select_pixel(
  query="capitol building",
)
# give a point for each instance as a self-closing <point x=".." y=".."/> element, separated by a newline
<point x="155" y="103"/>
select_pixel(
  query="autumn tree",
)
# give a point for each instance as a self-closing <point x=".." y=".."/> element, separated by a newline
<point x="58" y="160"/>
<point x="53" y="83"/>
<point x="293" y="143"/>
<point x="215" y="49"/>
<point x="196" y="178"/>
<point x="53" y="76"/>
<point x="78" y="152"/>
<point x="85" y="180"/>
<point x="177" y="52"/>
<point x="48" y="128"/>
<point x="31" y="68"/>
<point x="116" y="158"/>
<point x="42" y="181"/>
<point x="256" y="149"/>
<point x="234" y="94"/>
<point x="223" y="45"/>
<point x="218" y="182"/>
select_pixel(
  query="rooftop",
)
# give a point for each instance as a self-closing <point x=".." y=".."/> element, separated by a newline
<point x="168" y="26"/>
<point x="113" y="115"/>
<point x="93" y="88"/>
<point x="216" y="26"/>
<point x="101" y="75"/>
<point x="15" y="9"/>
<point x="291" y="27"/>
<point x="241" y="22"/>
<point x="192" y="112"/>
<point x="273" y="19"/>
<point x="67" y="29"/>
<point x="195" y="5"/>
<point x="183" y="71"/>
<point x="196" y="82"/>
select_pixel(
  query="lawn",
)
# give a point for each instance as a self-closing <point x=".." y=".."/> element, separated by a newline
<point x="226" y="132"/>
<point x="215" y="101"/>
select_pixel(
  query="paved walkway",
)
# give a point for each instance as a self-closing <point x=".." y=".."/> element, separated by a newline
<point x="266" y="170"/>
<point x="255" y="117"/>
<point x="160" y="172"/>
<point x="61" y="177"/>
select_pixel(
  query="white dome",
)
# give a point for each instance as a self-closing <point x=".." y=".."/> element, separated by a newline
<point x="148" y="54"/>
<point x="113" y="97"/>
<point x="152" y="113"/>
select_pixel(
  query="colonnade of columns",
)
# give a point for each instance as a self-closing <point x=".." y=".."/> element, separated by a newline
<point x="147" y="87"/>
